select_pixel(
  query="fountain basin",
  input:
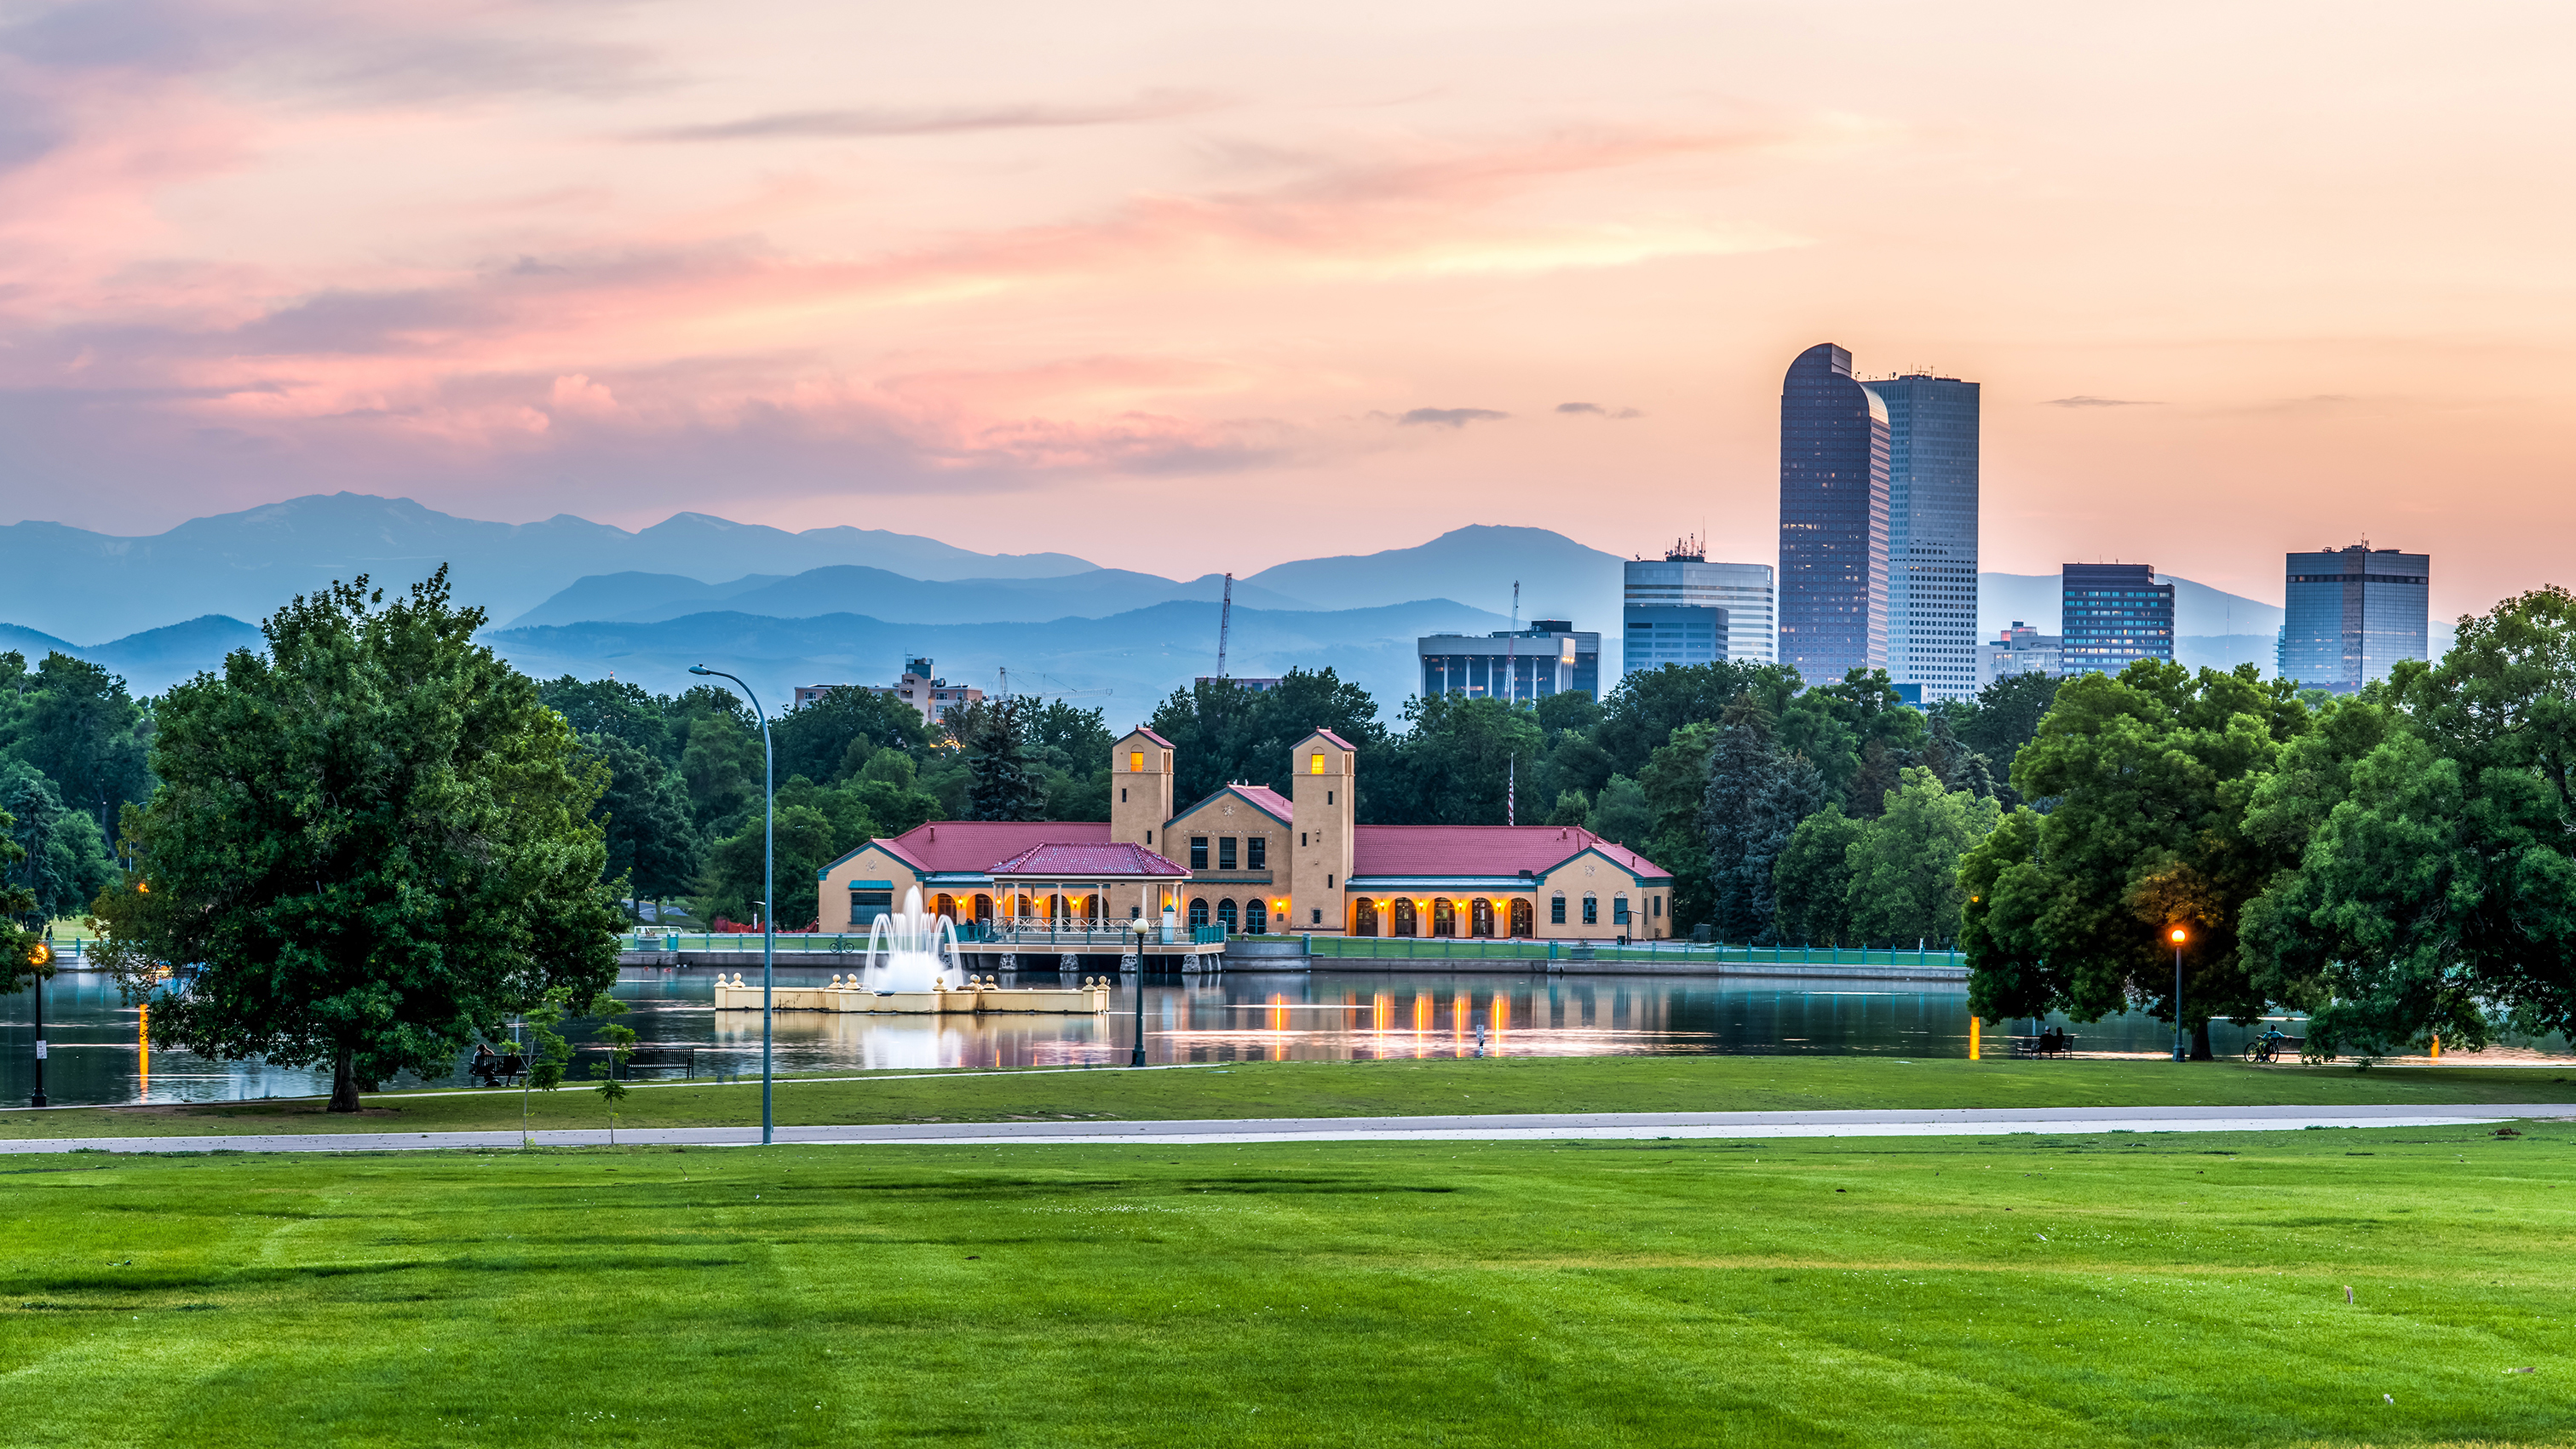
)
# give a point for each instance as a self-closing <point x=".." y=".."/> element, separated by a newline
<point x="1092" y="996"/>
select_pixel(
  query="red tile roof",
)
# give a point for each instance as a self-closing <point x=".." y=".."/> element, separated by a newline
<point x="1482" y="850"/>
<point x="1094" y="861"/>
<point x="1337" y="741"/>
<point x="1149" y="734"/>
<point x="945" y="847"/>
<point x="1260" y="797"/>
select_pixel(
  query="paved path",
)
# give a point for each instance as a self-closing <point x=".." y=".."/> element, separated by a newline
<point x="1500" y="1127"/>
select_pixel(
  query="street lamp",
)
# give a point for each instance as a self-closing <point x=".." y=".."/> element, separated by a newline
<point x="768" y="887"/>
<point x="38" y="957"/>
<point x="1141" y="926"/>
<point x="2178" y="936"/>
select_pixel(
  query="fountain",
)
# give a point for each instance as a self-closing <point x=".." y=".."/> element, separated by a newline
<point x="905" y="972"/>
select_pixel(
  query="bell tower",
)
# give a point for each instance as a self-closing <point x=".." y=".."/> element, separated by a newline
<point x="1140" y="789"/>
<point x="1323" y="770"/>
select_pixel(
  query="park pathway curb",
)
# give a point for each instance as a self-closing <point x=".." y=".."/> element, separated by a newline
<point x="1499" y="1127"/>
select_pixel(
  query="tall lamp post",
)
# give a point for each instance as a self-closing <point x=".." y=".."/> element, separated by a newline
<point x="1141" y="926"/>
<point x="2178" y="937"/>
<point x="38" y="958"/>
<point x="768" y="887"/>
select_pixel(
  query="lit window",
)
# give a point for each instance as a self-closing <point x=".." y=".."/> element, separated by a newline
<point x="1316" y="766"/>
<point x="1136" y="761"/>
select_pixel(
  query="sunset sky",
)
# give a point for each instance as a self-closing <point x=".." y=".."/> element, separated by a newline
<point x="1197" y="287"/>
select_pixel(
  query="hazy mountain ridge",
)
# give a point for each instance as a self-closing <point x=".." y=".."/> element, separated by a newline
<point x="880" y="594"/>
<point x="1138" y="657"/>
<point x="152" y="660"/>
<point x="75" y="583"/>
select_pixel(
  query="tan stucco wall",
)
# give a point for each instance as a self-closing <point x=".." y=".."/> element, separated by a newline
<point x="1325" y="816"/>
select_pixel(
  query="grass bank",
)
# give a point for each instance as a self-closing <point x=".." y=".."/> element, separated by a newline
<point x="1353" y="1089"/>
<point x="2102" y="1290"/>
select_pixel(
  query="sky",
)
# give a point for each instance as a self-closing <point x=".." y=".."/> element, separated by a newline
<point x="1187" y="288"/>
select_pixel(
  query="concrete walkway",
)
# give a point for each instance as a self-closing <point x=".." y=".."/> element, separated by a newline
<point x="1501" y="1127"/>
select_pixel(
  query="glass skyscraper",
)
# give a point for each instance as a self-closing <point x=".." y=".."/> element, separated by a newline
<point x="1833" y="519"/>
<point x="2352" y="612"/>
<point x="1682" y="609"/>
<point x="2114" y="613"/>
<point x="1931" y="533"/>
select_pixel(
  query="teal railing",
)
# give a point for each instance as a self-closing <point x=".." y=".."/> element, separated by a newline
<point x="1441" y="948"/>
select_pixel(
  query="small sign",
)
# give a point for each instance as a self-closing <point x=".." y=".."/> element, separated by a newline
<point x="40" y="1049"/>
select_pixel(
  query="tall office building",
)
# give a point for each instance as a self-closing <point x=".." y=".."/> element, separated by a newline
<point x="2114" y="613"/>
<point x="1725" y="610"/>
<point x="1931" y="533"/>
<point x="1833" y="519"/>
<point x="2352" y="612"/>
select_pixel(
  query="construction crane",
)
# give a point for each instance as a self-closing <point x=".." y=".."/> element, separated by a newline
<point x="1224" y="622"/>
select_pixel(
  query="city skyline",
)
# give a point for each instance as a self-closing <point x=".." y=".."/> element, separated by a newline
<point x="1012" y="276"/>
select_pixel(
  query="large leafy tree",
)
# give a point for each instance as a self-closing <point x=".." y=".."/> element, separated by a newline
<point x="2435" y="831"/>
<point x="2152" y="772"/>
<point x="1221" y="731"/>
<point x="1904" y="867"/>
<point x="1812" y="878"/>
<point x="74" y="721"/>
<point x="1459" y="762"/>
<point x="1640" y="715"/>
<point x="64" y="861"/>
<point x="370" y="844"/>
<point x="830" y="738"/>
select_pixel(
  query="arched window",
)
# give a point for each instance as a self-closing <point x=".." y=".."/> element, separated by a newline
<point x="1091" y="908"/>
<point x="1363" y="916"/>
<point x="1403" y="912"/>
<point x="1480" y="917"/>
<point x="1056" y="909"/>
<point x="944" y="905"/>
<point x="1256" y="918"/>
<point x="1225" y="913"/>
<point x="1556" y="909"/>
<point x="1444" y="917"/>
<point x="1198" y="910"/>
<point x="1521" y="914"/>
<point x="1591" y="909"/>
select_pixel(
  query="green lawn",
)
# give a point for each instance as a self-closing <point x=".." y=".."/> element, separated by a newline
<point x="1339" y="1089"/>
<point x="2105" y="1290"/>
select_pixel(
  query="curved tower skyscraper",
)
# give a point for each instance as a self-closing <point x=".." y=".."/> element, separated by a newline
<point x="1833" y="519"/>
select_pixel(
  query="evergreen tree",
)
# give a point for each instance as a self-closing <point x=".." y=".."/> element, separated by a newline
<point x="1001" y="783"/>
<point x="1756" y="795"/>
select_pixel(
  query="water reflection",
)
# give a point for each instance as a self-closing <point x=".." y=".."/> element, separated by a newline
<point x="98" y="1054"/>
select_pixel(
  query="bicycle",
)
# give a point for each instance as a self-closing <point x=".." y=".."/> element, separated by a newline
<point x="2267" y="1047"/>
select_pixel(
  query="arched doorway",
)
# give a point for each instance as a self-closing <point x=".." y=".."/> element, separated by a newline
<point x="1521" y="913"/>
<point x="1444" y="917"/>
<point x="1225" y="914"/>
<point x="944" y="905"/>
<point x="1363" y="916"/>
<point x="1091" y="908"/>
<point x="984" y="908"/>
<point x="1256" y="918"/>
<point x="1198" y="911"/>
<point x="1480" y="917"/>
<point x="1404" y="920"/>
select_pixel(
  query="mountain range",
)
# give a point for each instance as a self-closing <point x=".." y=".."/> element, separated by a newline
<point x="845" y="605"/>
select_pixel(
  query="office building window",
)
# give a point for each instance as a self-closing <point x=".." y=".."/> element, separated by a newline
<point x="1225" y="852"/>
<point x="1198" y="852"/>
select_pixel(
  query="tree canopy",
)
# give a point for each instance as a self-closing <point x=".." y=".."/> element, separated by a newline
<point x="370" y="844"/>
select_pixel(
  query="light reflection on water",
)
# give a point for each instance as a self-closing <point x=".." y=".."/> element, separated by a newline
<point x="1242" y="1016"/>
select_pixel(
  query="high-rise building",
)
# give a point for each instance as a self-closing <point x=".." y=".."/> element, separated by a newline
<point x="1682" y="609"/>
<point x="1833" y="518"/>
<point x="2022" y="649"/>
<point x="2114" y="613"/>
<point x="1543" y="659"/>
<point x="1931" y="533"/>
<point x="2352" y="612"/>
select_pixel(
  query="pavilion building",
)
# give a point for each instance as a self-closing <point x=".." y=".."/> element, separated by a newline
<point x="1258" y="862"/>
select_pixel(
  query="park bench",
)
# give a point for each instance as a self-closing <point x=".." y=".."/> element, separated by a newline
<point x="2046" y="1044"/>
<point x="498" y="1071"/>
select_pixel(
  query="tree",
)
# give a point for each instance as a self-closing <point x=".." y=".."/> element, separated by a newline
<point x="1457" y="763"/>
<point x="1221" y="731"/>
<point x="369" y="845"/>
<point x="817" y="740"/>
<point x="1813" y="879"/>
<point x="1675" y="783"/>
<point x="2007" y="713"/>
<point x="1071" y="748"/>
<point x="2152" y="771"/>
<point x="995" y="733"/>
<point x="63" y="859"/>
<point x="23" y="957"/>
<point x="611" y="707"/>
<point x="721" y="765"/>
<point x="645" y="811"/>
<point x="1904" y="866"/>
<point x="1640" y="715"/>
<point x="731" y="886"/>
<point x="75" y="722"/>
<point x="1622" y="815"/>
<point x="2435" y="827"/>
<point x="887" y="786"/>
<point x="1757" y="793"/>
